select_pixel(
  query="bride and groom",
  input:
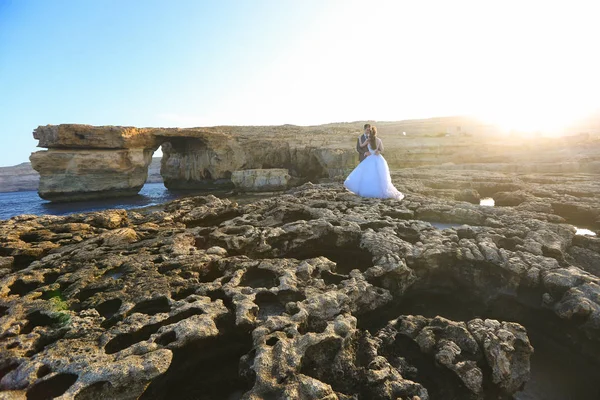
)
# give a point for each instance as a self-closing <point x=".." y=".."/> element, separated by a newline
<point x="371" y="178"/>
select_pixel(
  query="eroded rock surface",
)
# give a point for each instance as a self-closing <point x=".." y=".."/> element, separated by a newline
<point x="302" y="295"/>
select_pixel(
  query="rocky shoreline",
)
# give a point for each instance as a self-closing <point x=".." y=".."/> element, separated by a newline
<point x="95" y="162"/>
<point x="311" y="294"/>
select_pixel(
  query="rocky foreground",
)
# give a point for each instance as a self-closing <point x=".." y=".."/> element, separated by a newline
<point x="311" y="294"/>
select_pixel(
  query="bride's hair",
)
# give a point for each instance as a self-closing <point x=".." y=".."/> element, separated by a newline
<point x="373" y="137"/>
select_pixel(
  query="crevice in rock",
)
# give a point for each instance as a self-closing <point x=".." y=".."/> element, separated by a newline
<point x="206" y="369"/>
<point x="86" y="293"/>
<point x="167" y="338"/>
<point x="346" y="258"/>
<point x="125" y="340"/>
<point x="152" y="306"/>
<point x="22" y="261"/>
<point x="52" y="387"/>
<point x="441" y="383"/>
<point x="109" y="308"/>
<point x="268" y="305"/>
<point x="331" y="278"/>
<point x="286" y="296"/>
<point x="21" y="288"/>
<point x="37" y="318"/>
<point x="220" y="294"/>
<point x="258" y="277"/>
<point x="313" y="324"/>
<point x="43" y="371"/>
<point x="317" y="361"/>
<point x="7" y="366"/>
<point x="169" y="266"/>
<point x="213" y="220"/>
<point x="210" y="272"/>
<point x="3" y="311"/>
<point x="51" y="277"/>
<point x="296" y="215"/>
<point x="554" y="340"/>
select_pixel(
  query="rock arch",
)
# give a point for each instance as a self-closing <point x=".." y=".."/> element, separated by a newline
<point x="87" y="162"/>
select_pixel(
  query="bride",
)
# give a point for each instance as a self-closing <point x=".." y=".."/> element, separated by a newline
<point x="371" y="178"/>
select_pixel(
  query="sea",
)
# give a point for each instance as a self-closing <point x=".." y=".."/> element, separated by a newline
<point x="152" y="194"/>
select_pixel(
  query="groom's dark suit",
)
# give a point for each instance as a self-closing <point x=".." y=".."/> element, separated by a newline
<point x="361" y="150"/>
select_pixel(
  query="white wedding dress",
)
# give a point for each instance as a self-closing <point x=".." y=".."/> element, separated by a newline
<point x="371" y="178"/>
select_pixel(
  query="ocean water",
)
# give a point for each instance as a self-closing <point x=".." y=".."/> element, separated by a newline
<point x="17" y="203"/>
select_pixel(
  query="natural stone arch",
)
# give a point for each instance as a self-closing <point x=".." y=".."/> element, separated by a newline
<point x="85" y="162"/>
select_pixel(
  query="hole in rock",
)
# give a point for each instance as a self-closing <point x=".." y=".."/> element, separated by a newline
<point x="6" y="367"/>
<point x="22" y="288"/>
<point x="575" y="214"/>
<point x="152" y="306"/>
<point x="37" y="318"/>
<point x="3" y="311"/>
<point x="43" y="371"/>
<point x="317" y="361"/>
<point x="210" y="272"/>
<point x="268" y="305"/>
<point x="285" y="296"/>
<point x="34" y="236"/>
<point x="51" y="277"/>
<point x="346" y="258"/>
<point x="559" y="369"/>
<point x="86" y="293"/>
<point x="169" y="266"/>
<point x="53" y="294"/>
<point x="441" y="383"/>
<point x="212" y="219"/>
<point x="206" y="369"/>
<point x="125" y="340"/>
<point x="220" y="294"/>
<point x="331" y="278"/>
<point x="112" y="321"/>
<point x="313" y="324"/>
<point x="167" y="338"/>
<point x="52" y="387"/>
<point x="183" y="293"/>
<point x="109" y="308"/>
<point x="272" y="341"/>
<point x="201" y="243"/>
<point x="22" y="261"/>
<point x="296" y="215"/>
<point x="258" y="277"/>
<point x="411" y="235"/>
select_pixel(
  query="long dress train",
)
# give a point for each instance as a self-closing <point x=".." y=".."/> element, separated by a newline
<point x="371" y="178"/>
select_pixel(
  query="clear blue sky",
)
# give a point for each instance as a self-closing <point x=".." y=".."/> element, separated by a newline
<point x="203" y="63"/>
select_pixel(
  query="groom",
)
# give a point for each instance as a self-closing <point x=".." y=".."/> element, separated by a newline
<point x="360" y="141"/>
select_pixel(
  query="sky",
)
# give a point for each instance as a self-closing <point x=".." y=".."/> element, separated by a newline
<point x="521" y="64"/>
